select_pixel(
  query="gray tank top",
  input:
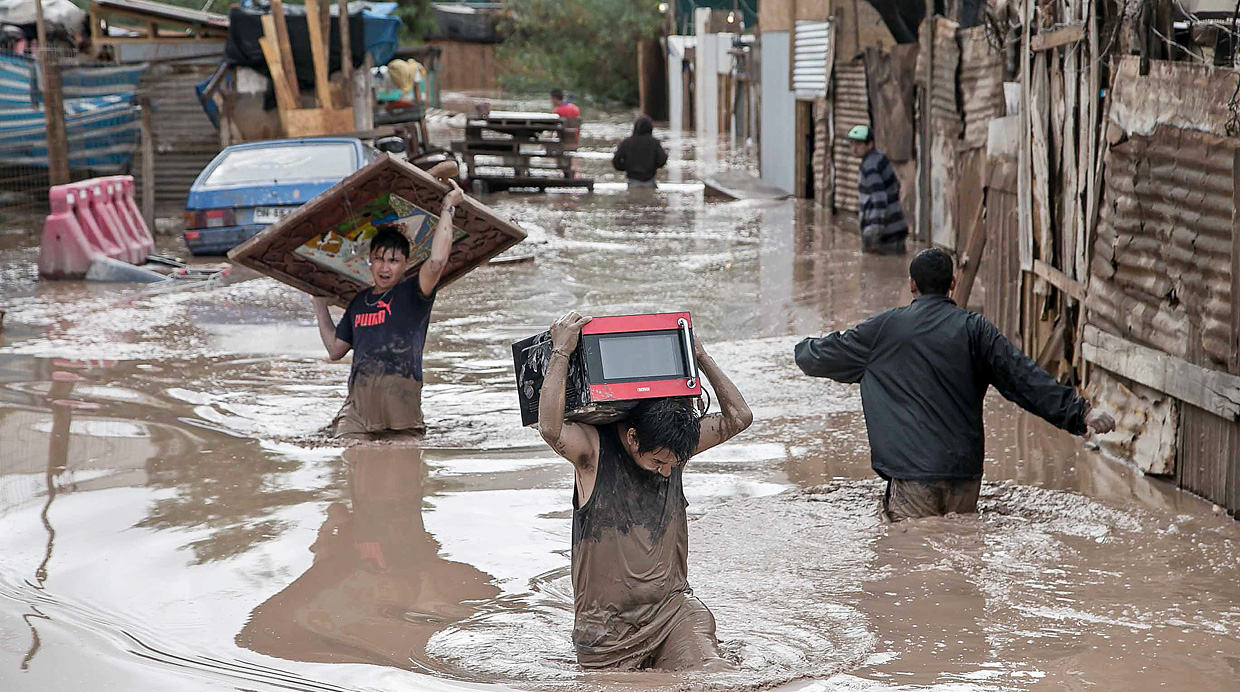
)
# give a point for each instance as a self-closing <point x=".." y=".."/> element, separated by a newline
<point x="630" y="558"/>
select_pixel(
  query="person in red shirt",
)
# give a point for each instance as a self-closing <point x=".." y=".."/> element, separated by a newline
<point x="571" y="115"/>
<point x="561" y="107"/>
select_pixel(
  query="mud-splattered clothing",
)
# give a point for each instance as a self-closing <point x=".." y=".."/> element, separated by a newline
<point x="911" y="498"/>
<point x="634" y="608"/>
<point x="388" y="333"/>
<point x="924" y="370"/>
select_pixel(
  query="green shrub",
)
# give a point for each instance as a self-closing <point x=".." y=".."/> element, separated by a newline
<point x="586" y="47"/>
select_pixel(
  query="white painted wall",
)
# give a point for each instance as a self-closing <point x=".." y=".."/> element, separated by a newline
<point x="676" y="47"/>
<point x="777" y="149"/>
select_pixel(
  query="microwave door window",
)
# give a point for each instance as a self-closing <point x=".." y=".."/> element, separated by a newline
<point x="649" y="356"/>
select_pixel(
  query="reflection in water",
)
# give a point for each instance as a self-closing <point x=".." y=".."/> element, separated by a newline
<point x="213" y="484"/>
<point x="377" y="589"/>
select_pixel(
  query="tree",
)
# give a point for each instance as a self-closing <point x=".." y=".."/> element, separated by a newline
<point x="417" y="20"/>
<point x="587" y="47"/>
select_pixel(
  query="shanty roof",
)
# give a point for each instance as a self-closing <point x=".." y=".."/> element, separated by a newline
<point x="159" y="10"/>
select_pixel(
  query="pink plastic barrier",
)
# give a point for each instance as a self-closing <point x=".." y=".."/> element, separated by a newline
<point x="126" y="203"/>
<point x="91" y="224"/>
<point x="66" y="251"/>
<point x="91" y="218"/>
<point x="109" y="222"/>
<point x="123" y="228"/>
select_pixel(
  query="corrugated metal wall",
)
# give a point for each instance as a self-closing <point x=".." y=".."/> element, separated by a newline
<point x="185" y="139"/>
<point x="981" y="85"/>
<point x="1161" y="276"/>
<point x="852" y="108"/>
<point x="937" y="64"/>
<point x="822" y="161"/>
<point x="1162" y="257"/>
<point x="999" y="272"/>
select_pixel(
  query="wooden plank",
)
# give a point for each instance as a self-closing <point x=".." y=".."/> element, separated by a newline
<point x="1058" y="36"/>
<point x="1213" y="390"/>
<point x="312" y="122"/>
<point x="285" y="98"/>
<point x="1070" y="163"/>
<point x="972" y="259"/>
<point x="1052" y="350"/>
<point x="318" y="53"/>
<point x="1040" y="157"/>
<point x="1058" y="279"/>
<point x="1024" y="184"/>
<point x="346" y="52"/>
<point x="284" y="49"/>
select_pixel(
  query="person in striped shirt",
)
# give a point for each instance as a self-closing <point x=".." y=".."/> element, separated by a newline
<point x="883" y="227"/>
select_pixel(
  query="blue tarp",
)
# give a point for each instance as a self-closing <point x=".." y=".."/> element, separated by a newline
<point x="382" y="31"/>
<point x="101" y="122"/>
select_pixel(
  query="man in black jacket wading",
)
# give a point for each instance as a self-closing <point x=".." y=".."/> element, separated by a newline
<point x="640" y="155"/>
<point x="924" y="370"/>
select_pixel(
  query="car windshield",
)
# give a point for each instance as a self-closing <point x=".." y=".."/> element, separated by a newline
<point x="284" y="163"/>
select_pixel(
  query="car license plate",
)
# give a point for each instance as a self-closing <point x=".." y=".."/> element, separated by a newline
<point x="271" y="214"/>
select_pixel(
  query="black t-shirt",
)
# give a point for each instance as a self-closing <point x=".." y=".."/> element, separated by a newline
<point x="387" y="330"/>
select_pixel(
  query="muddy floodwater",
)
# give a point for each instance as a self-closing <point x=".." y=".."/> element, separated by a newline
<point x="174" y="519"/>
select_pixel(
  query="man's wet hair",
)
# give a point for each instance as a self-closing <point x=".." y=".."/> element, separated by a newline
<point x="932" y="271"/>
<point x="670" y="423"/>
<point x="389" y="237"/>
<point x="557" y="94"/>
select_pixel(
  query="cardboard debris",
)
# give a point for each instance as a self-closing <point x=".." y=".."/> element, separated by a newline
<point x="321" y="248"/>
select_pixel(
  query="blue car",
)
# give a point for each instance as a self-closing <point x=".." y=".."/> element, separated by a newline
<point x="250" y="186"/>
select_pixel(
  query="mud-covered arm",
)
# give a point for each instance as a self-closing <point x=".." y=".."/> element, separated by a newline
<point x="1023" y="382"/>
<point x="441" y="242"/>
<point x="841" y="356"/>
<point x="336" y="347"/>
<point x="573" y="441"/>
<point x="735" y="415"/>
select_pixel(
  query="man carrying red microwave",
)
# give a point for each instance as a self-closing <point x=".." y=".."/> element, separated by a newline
<point x="633" y="605"/>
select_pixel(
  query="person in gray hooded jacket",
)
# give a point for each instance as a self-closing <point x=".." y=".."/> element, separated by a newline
<point x="924" y="370"/>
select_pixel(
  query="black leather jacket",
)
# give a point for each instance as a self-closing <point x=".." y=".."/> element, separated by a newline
<point x="924" y="370"/>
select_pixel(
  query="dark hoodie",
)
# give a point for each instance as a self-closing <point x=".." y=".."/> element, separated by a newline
<point x="640" y="156"/>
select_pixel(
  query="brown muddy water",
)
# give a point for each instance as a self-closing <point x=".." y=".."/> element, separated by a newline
<point x="173" y="519"/>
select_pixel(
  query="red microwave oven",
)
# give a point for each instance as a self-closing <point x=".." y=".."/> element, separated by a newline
<point x="618" y="362"/>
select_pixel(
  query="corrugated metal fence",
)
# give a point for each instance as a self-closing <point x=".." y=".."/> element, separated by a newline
<point x="852" y="108"/>
<point x="185" y="139"/>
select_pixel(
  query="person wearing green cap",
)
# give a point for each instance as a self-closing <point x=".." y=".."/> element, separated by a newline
<point x="883" y="227"/>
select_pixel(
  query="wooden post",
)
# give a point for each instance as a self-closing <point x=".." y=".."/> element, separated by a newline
<point x="53" y="106"/>
<point x="925" y="200"/>
<point x="1024" y="187"/>
<point x="346" y="53"/>
<point x="318" y="52"/>
<point x="285" y="98"/>
<point x="148" y="163"/>
<point x="285" y="50"/>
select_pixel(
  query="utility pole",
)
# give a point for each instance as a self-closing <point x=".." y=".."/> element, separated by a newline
<point x="53" y="106"/>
